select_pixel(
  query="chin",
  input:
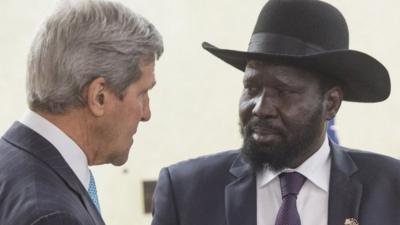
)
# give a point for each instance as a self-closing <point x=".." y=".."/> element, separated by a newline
<point x="119" y="158"/>
<point x="119" y="161"/>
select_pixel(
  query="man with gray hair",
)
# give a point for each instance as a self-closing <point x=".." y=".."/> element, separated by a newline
<point x="90" y="68"/>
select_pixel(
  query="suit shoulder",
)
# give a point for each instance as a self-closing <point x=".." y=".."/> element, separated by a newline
<point x="30" y="189"/>
<point x="19" y="168"/>
<point x="374" y="162"/>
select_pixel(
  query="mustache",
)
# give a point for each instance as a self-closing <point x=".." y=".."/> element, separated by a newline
<point x="259" y="124"/>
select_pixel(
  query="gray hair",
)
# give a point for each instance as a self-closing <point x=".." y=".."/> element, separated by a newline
<point x="82" y="41"/>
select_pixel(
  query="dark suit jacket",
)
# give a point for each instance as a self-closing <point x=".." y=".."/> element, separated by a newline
<point x="221" y="190"/>
<point x="37" y="187"/>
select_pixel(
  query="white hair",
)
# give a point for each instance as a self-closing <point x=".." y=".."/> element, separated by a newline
<point x="84" y="40"/>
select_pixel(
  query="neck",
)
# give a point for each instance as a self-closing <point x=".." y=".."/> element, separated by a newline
<point x="75" y="124"/>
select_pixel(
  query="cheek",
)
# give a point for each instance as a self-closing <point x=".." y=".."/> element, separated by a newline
<point x="136" y="110"/>
<point x="134" y="114"/>
<point x="129" y="113"/>
<point x="245" y="109"/>
<point x="301" y="115"/>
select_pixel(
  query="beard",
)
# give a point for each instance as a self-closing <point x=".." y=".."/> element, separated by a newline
<point x="280" y="155"/>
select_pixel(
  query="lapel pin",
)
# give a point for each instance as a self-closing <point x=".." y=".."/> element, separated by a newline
<point x="351" y="221"/>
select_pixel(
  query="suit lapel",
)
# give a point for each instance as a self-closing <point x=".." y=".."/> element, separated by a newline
<point x="31" y="142"/>
<point x="344" y="192"/>
<point x="240" y="195"/>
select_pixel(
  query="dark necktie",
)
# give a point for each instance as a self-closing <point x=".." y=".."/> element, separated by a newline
<point x="291" y="184"/>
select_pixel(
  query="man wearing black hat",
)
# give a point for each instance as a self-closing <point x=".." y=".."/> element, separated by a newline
<point x="298" y="69"/>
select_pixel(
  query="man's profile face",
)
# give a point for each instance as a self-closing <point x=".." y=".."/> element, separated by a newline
<point x="281" y="114"/>
<point x="124" y="115"/>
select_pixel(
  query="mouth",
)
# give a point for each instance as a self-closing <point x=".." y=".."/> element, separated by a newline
<point x="265" y="134"/>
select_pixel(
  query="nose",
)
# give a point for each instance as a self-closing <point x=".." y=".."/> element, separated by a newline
<point x="146" y="112"/>
<point x="265" y="106"/>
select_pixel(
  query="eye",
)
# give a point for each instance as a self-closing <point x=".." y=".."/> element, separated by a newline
<point x="252" y="90"/>
<point x="285" y="91"/>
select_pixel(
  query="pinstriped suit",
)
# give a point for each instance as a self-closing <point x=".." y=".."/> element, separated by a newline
<point x="37" y="187"/>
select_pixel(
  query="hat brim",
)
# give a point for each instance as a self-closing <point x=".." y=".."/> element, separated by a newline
<point x="362" y="78"/>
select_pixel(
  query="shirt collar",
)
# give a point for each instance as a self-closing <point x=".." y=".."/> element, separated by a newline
<point x="316" y="169"/>
<point x="69" y="150"/>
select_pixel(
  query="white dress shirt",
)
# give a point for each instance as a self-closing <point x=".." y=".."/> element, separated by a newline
<point x="312" y="200"/>
<point x="69" y="150"/>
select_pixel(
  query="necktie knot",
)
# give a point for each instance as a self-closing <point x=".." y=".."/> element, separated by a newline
<point x="291" y="183"/>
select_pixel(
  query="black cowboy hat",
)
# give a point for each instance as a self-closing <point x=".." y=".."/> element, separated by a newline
<point x="312" y="34"/>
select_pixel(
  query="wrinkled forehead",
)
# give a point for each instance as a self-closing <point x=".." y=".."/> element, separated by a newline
<point x="275" y="71"/>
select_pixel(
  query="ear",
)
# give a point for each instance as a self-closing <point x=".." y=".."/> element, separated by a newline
<point x="332" y="101"/>
<point x="96" y="96"/>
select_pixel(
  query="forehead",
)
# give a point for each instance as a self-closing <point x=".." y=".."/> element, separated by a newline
<point x="279" y="73"/>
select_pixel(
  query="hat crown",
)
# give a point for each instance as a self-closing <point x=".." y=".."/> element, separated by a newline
<point x="314" y="35"/>
<point x="310" y="21"/>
